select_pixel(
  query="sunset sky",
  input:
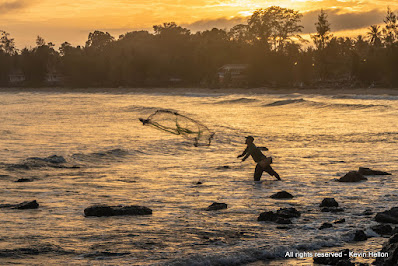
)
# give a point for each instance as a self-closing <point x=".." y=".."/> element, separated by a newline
<point x="64" y="20"/>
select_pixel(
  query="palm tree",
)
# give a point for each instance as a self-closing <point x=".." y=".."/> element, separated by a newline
<point x="374" y="35"/>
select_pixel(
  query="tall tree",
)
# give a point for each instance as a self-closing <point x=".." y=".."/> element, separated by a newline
<point x="323" y="35"/>
<point x="390" y="31"/>
<point x="374" y="35"/>
<point x="7" y="44"/>
<point x="99" y="39"/>
<point x="274" y="26"/>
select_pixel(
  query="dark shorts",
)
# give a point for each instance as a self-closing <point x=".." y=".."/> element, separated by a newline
<point x="258" y="172"/>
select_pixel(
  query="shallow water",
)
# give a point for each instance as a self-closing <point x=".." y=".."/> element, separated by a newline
<point x="313" y="139"/>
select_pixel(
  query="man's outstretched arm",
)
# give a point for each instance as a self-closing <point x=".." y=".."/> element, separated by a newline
<point x="243" y="153"/>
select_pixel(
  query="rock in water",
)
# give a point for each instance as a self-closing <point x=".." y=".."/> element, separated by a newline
<point x="340" y="221"/>
<point x="343" y="260"/>
<point x="368" y="171"/>
<point x="288" y="213"/>
<point x="325" y="225"/>
<point x="329" y="202"/>
<point x="268" y="216"/>
<point x="24" y="180"/>
<point x="390" y="216"/>
<point x="388" y="256"/>
<point x="352" y="176"/>
<point x="382" y="229"/>
<point x="217" y="206"/>
<point x="360" y="236"/>
<point x="26" y="205"/>
<point x="282" y="216"/>
<point x="282" y="195"/>
<point x="104" y="210"/>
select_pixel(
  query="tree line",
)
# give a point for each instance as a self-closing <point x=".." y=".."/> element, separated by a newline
<point x="269" y="43"/>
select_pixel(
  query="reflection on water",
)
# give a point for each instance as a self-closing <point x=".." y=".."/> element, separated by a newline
<point x="114" y="160"/>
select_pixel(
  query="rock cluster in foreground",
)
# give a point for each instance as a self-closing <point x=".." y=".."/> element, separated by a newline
<point x="281" y="216"/>
<point x="390" y="216"/>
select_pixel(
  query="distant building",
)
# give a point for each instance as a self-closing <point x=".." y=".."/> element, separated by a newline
<point x="233" y="74"/>
<point x="16" y="77"/>
<point x="54" y="78"/>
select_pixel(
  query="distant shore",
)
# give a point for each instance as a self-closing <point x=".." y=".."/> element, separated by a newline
<point x="181" y="91"/>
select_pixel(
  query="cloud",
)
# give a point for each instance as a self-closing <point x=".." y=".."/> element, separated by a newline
<point x="14" y="5"/>
<point x="343" y="21"/>
<point x="340" y="20"/>
<point x="221" y="23"/>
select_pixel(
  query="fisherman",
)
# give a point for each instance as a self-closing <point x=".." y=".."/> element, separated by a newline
<point x="263" y="162"/>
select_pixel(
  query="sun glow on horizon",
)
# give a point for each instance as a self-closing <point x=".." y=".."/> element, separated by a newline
<point x="61" y="20"/>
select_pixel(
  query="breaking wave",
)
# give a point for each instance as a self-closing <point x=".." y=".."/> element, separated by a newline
<point x="236" y="101"/>
<point x="307" y="103"/>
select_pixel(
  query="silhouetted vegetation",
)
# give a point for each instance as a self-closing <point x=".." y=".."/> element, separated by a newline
<point x="269" y="44"/>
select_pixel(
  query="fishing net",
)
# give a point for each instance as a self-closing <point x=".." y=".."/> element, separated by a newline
<point x="177" y="124"/>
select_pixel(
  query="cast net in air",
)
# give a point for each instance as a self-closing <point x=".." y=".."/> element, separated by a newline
<point x="177" y="124"/>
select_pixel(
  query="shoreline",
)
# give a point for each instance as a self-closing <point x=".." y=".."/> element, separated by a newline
<point x="182" y="91"/>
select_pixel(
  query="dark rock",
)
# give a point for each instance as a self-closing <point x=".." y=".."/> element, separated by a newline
<point x="283" y="227"/>
<point x="288" y="213"/>
<point x="269" y="216"/>
<point x="332" y="209"/>
<point x="329" y="202"/>
<point x="26" y="205"/>
<point x="367" y="212"/>
<point x="22" y="206"/>
<point x="352" y="176"/>
<point x="338" y="260"/>
<point x="391" y="249"/>
<point x="360" y="236"/>
<point x="24" y="180"/>
<point x="382" y="229"/>
<point x="281" y="220"/>
<point x="340" y="221"/>
<point x="325" y="225"/>
<point x="104" y="210"/>
<point x="368" y="171"/>
<point x="282" y="216"/>
<point x="199" y="183"/>
<point x="282" y="195"/>
<point x="390" y="216"/>
<point x="216" y="206"/>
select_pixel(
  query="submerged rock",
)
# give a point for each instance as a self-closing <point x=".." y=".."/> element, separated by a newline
<point x="217" y="206"/>
<point x="281" y="216"/>
<point x="390" y="216"/>
<point x="325" y="225"/>
<point x="288" y="213"/>
<point x="388" y="256"/>
<point x="340" y="221"/>
<point x="282" y="195"/>
<point x="368" y="171"/>
<point x="382" y="229"/>
<point x="104" y="210"/>
<point x="329" y="202"/>
<point x="24" y="180"/>
<point x="22" y="206"/>
<point x="360" y="236"/>
<point x="332" y="209"/>
<point x="352" y="176"/>
<point x="341" y="258"/>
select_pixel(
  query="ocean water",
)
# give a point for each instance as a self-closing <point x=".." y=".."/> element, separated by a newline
<point x="111" y="158"/>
